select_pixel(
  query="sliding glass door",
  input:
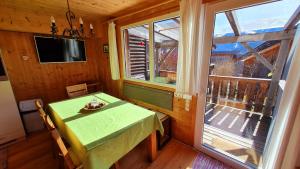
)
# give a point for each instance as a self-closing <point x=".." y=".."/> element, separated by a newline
<point x="247" y="59"/>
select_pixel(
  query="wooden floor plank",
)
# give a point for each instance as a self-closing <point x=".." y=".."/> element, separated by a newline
<point x="36" y="152"/>
<point x="174" y="155"/>
<point x="243" y="126"/>
<point x="239" y="135"/>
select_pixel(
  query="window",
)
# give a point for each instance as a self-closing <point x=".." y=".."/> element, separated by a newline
<point x="137" y="52"/>
<point x="150" y="50"/>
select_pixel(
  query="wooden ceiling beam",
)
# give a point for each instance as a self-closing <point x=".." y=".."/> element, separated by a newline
<point x="121" y="16"/>
<point x="293" y="20"/>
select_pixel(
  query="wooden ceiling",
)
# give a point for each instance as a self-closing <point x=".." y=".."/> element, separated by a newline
<point x="88" y="9"/>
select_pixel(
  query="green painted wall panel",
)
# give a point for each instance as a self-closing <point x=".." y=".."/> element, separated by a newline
<point x="160" y="98"/>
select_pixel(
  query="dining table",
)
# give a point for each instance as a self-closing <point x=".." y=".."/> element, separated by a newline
<point x="101" y="137"/>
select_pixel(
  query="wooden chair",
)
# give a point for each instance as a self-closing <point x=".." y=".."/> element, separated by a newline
<point x="46" y="119"/>
<point x="68" y="157"/>
<point x="77" y="90"/>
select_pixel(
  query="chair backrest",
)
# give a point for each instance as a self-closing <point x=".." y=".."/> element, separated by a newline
<point x="46" y="119"/>
<point x="77" y="90"/>
<point x="63" y="150"/>
<point x="55" y="136"/>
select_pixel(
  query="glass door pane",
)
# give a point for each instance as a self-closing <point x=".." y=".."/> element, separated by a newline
<point x="243" y="83"/>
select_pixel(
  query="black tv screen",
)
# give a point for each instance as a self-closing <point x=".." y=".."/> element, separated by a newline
<point x="53" y="50"/>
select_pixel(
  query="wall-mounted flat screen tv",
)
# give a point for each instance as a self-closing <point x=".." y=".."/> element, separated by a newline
<point x="57" y="50"/>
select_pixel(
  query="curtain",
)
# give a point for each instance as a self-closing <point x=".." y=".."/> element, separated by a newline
<point x="190" y="48"/>
<point x="113" y="52"/>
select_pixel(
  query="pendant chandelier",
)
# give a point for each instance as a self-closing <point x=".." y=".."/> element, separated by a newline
<point x="71" y="31"/>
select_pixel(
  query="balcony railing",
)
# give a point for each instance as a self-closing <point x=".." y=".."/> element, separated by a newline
<point x="239" y="92"/>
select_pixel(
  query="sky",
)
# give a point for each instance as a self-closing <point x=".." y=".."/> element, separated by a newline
<point x="270" y="15"/>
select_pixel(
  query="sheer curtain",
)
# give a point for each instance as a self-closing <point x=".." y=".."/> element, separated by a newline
<point x="113" y="52"/>
<point x="190" y="48"/>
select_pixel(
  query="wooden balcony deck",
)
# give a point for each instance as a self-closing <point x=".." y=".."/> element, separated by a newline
<point x="238" y="133"/>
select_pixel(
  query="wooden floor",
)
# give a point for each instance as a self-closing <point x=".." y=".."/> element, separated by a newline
<point x="175" y="155"/>
<point x="238" y="133"/>
<point x="36" y="153"/>
<point x="246" y="124"/>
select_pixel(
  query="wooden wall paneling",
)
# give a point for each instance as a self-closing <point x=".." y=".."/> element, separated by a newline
<point x="184" y="126"/>
<point x="30" y="79"/>
<point x="112" y="87"/>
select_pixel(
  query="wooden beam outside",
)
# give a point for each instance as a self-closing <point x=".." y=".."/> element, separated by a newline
<point x="160" y="34"/>
<point x="166" y="29"/>
<point x="231" y="16"/>
<point x="166" y="44"/>
<point x="255" y="37"/>
<point x="244" y="79"/>
<point x="260" y="58"/>
<point x="293" y="19"/>
<point x="277" y="72"/>
<point x="281" y="58"/>
<point x="235" y="27"/>
<point x="165" y="56"/>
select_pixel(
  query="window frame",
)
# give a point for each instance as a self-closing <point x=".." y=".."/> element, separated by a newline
<point x="149" y="22"/>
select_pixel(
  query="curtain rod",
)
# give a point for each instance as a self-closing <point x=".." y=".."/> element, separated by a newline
<point x="151" y="7"/>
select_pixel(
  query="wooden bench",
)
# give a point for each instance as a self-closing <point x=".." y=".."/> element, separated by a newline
<point x="166" y="122"/>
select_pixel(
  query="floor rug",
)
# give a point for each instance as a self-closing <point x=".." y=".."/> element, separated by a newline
<point x="203" y="161"/>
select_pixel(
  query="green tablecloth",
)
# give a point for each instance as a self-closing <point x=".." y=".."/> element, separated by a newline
<point x="102" y="137"/>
